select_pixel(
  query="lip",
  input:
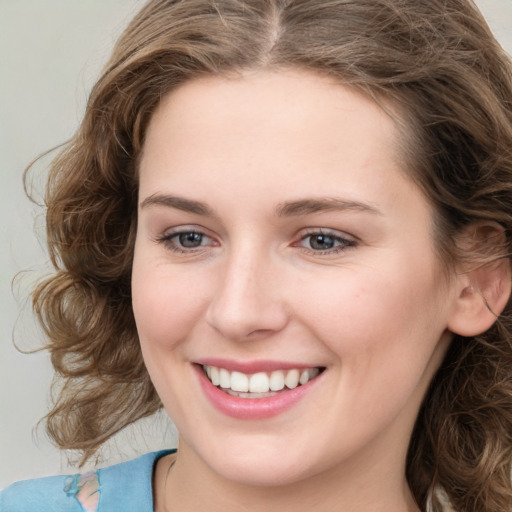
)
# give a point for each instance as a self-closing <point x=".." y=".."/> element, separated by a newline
<point x="252" y="408"/>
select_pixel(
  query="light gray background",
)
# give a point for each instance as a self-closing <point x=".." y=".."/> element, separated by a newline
<point x="50" y="53"/>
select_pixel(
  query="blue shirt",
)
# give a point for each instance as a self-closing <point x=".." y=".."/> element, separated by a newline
<point x="125" y="487"/>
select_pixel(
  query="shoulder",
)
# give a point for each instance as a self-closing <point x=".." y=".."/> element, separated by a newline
<point x="125" y="486"/>
<point x="40" y="494"/>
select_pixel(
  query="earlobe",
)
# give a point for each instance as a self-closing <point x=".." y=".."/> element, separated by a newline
<point x="484" y="286"/>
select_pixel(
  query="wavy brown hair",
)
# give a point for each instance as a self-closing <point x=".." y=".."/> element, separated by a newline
<point x="435" y="61"/>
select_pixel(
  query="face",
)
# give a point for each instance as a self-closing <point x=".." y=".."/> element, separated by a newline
<point x="289" y="302"/>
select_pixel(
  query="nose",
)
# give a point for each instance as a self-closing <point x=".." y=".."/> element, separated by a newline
<point x="248" y="302"/>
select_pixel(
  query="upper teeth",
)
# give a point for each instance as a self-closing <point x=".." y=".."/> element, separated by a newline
<point x="261" y="382"/>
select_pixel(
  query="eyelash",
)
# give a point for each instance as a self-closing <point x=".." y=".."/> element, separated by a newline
<point x="345" y="243"/>
<point x="168" y="240"/>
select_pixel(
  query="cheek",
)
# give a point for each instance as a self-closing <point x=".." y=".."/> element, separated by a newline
<point x="166" y="307"/>
<point x="166" y="304"/>
<point x="380" y="325"/>
<point x="387" y="340"/>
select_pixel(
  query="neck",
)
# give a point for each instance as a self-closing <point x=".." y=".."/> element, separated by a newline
<point x="378" y="487"/>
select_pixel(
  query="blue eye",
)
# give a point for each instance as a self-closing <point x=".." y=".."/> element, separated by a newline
<point x="189" y="240"/>
<point x="185" y="241"/>
<point x="320" y="242"/>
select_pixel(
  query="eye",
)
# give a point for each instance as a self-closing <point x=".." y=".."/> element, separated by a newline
<point x="325" y="242"/>
<point x="185" y="240"/>
<point x="189" y="240"/>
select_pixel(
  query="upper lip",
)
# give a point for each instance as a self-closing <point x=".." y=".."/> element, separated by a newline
<point x="251" y="367"/>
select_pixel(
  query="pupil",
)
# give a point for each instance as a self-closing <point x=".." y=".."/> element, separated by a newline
<point x="322" y="242"/>
<point x="190" y="239"/>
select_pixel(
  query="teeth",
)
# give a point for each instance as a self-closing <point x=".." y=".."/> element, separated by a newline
<point x="239" y="382"/>
<point x="214" y="376"/>
<point x="259" y="383"/>
<point x="224" y="379"/>
<point x="292" y="379"/>
<point x="243" y="385"/>
<point x="277" y="381"/>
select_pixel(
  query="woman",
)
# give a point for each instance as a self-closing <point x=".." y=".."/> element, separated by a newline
<point x="288" y="224"/>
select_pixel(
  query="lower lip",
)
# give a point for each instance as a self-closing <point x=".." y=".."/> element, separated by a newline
<point x="252" y="408"/>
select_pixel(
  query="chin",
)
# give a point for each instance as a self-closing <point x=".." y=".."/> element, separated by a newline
<point x="263" y="473"/>
<point x="259" y="460"/>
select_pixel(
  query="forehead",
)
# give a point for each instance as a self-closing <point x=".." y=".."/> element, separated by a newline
<point x="243" y="148"/>
<point x="291" y="119"/>
<point x="269" y="98"/>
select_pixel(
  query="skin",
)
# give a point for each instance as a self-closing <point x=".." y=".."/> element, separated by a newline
<point x="374" y="309"/>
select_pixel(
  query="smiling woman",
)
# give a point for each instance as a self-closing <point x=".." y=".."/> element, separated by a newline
<point x="255" y="297"/>
<point x="288" y="224"/>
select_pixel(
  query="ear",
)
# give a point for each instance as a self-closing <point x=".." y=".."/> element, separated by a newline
<point x="483" y="281"/>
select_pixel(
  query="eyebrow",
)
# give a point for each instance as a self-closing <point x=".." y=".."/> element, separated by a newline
<point x="285" y="209"/>
<point x="325" y="204"/>
<point x="180" y="203"/>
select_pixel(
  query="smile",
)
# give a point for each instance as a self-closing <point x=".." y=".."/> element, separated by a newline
<point x="261" y="384"/>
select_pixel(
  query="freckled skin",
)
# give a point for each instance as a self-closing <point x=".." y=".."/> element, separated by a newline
<point x="373" y="308"/>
